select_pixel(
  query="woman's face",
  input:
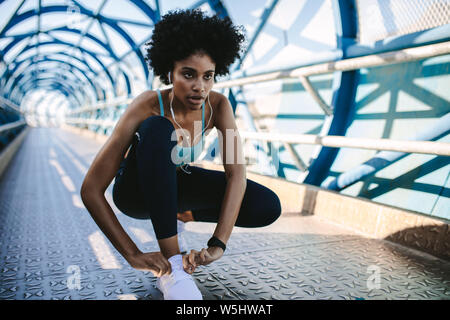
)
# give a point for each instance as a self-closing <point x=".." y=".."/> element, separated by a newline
<point x="192" y="79"/>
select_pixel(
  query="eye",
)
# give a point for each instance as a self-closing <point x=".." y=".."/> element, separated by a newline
<point x="187" y="75"/>
<point x="208" y="77"/>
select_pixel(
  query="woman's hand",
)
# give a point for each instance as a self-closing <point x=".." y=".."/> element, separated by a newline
<point x="203" y="258"/>
<point x="151" y="261"/>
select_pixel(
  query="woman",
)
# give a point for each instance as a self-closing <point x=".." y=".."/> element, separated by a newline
<point x="155" y="181"/>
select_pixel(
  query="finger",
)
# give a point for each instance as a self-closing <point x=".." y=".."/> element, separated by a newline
<point x="203" y="255"/>
<point x="192" y="257"/>
<point x="186" y="268"/>
<point x="185" y="261"/>
<point x="186" y="265"/>
<point x="163" y="269"/>
<point x="156" y="272"/>
<point x="198" y="258"/>
<point x="190" y="269"/>
<point x="163" y="265"/>
<point x="167" y="267"/>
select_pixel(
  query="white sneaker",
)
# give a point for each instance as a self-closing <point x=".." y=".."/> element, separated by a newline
<point x="180" y="226"/>
<point x="181" y="241"/>
<point x="178" y="285"/>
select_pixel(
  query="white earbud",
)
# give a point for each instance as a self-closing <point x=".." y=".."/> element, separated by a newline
<point x="170" y="81"/>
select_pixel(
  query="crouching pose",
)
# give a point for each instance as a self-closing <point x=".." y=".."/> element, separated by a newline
<point x="156" y="139"/>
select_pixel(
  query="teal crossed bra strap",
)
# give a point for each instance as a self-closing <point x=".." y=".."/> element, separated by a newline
<point x="161" y="107"/>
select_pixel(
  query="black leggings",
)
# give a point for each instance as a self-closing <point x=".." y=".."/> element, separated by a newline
<point x="148" y="186"/>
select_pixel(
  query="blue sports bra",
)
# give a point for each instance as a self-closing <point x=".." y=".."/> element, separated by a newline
<point x="186" y="154"/>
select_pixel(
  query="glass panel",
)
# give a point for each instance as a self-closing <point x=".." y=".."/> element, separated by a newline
<point x="379" y="19"/>
<point x="124" y="10"/>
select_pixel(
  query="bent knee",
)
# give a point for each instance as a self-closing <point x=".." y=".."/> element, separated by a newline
<point x="261" y="212"/>
<point x="272" y="209"/>
<point x="156" y="128"/>
<point x="156" y="123"/>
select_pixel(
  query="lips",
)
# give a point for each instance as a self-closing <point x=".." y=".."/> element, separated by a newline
<point x="195" y="99"/>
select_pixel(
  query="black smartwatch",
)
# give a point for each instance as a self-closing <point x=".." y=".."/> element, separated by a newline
<point x="215" y="242"/>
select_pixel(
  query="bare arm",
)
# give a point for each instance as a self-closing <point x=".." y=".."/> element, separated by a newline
<point x="235" y="173"/>
<point x="97" y="180"/>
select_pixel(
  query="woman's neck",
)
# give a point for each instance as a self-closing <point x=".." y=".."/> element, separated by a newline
<point x="179" y="109"/>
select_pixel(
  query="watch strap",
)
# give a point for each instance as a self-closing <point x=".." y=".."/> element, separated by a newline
<point x="215" y="242"/>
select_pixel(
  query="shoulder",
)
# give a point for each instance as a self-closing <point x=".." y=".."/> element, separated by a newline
<point x="220" y="104"/>
<point x="223" y="112"/>
<point x="148" y="98"/>
<point x="217" y="98"/>
<point x="140" y="108"/>
<point x="145" y="104"/>
<point x="219" y="101"/>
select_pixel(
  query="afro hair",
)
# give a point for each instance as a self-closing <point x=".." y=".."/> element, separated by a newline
<point x="181" y="33"/>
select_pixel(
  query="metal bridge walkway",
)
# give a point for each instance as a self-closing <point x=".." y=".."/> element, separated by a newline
<point x="48" y="241"/>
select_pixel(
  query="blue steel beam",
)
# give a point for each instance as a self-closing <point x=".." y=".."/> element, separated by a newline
<point x="100" y="92"/>
<point x="153" y="14"/>
<point x="108" y="45"/>
<point x="86" y="30"/>
<point x="13" y="15"/>
<point x="89" y="36"/>
<point x="61" y="62"/>
<point x="19" y="38"/>
<point x="23" y="79"/>
<point x="58" y="75"/>
<point x="263" y="20"/>
<point x="411" y="40"/>
<point x="343" y="100"/>
<point x="91" y="54"/>
<point x="16" y="65"/>
<point x="42" y="84"/>
<point x="70" y="98"/>
<point x="111" y="22"/>
<point x="198" y="4"/>
<point x="385" y="158"/>
<point x="219" y="8"/>
<point x="63" y="89"/>
<point x="130" y="41"/>
<point x="30" y="82"/>
<point x="157" y="11"/>
<point x="56" y="54"/>
<point x="38" y="31"/>
<point x="53" y="77"/>
<point x="9" y="74"/>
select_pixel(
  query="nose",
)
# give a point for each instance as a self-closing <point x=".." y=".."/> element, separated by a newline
<point x="199" y="86"/>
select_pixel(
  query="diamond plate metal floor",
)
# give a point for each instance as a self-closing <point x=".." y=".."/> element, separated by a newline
<point x="48" y="242"/>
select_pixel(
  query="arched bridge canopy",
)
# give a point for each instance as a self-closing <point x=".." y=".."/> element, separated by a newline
<point x="84" y="51"/>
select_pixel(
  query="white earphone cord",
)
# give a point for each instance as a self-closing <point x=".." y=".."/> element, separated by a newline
<point x="182" y="130"/>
